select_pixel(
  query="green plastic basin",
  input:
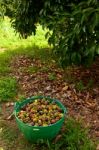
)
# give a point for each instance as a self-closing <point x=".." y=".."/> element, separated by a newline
<point x="34" y="133"/>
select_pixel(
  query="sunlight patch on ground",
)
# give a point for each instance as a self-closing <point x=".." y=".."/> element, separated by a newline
<point x="2" y="50"/>
<point x="1" y="148"/>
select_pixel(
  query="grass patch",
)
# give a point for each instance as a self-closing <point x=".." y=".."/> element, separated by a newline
<point x="44" y="54"/>
<point x="32" y="69"/>
<point x="80" y="86"/>
<point x="10" y="39"/>
<point x="8" y="88"/>
<point x="5" y="58"/>
<point x="45" y="69"/>
<point x="32" y="52"/>
<point x="4" y="70"/>
<point x="75" y="137"/>
<point x="33" y="47"/>
<point x="52" y="76"/>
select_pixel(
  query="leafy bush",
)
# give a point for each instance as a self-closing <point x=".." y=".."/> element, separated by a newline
<point x="76" y="33"/>
<point x="74" y="26"/>
<point x="8" y="88"/>
<point x="2" y="9"/>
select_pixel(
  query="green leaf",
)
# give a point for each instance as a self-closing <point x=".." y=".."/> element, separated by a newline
<point x="97" y="50"/>
<point x="89" y="10"/>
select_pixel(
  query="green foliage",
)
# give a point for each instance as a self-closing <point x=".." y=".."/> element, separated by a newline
<point x="2" y="10"/>
<point x="21" y="97"/>
<point x="10" y="40"/>
<point x="32" y="69"/>
<point x="75" y="137"/>
<point x="7" y="7"/>
<point x="8" y="88"/>
<point x="52" y="76"/>
<point x="44" y="69"/>
<point x="10" y="7"/>
<point x="26" y="16"/>
<point x="74" y="26"/>
<point x="4" y="64"/>
<point x="0" y="110"/>
<point x="90" y="84"/>
<point x="80" y="86"/>
<point x="76" y="34"/>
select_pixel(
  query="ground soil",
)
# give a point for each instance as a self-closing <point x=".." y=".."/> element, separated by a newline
<point x="49" y="80"/>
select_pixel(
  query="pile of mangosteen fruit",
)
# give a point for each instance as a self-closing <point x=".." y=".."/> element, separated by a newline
<point x="40" y="112"/>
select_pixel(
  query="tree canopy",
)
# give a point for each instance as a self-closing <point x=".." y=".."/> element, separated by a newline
<point x="74" y="26"/>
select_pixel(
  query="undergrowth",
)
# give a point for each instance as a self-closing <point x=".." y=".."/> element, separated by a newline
<point x="8" y="88"/>
<point x="74" y="137"/>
